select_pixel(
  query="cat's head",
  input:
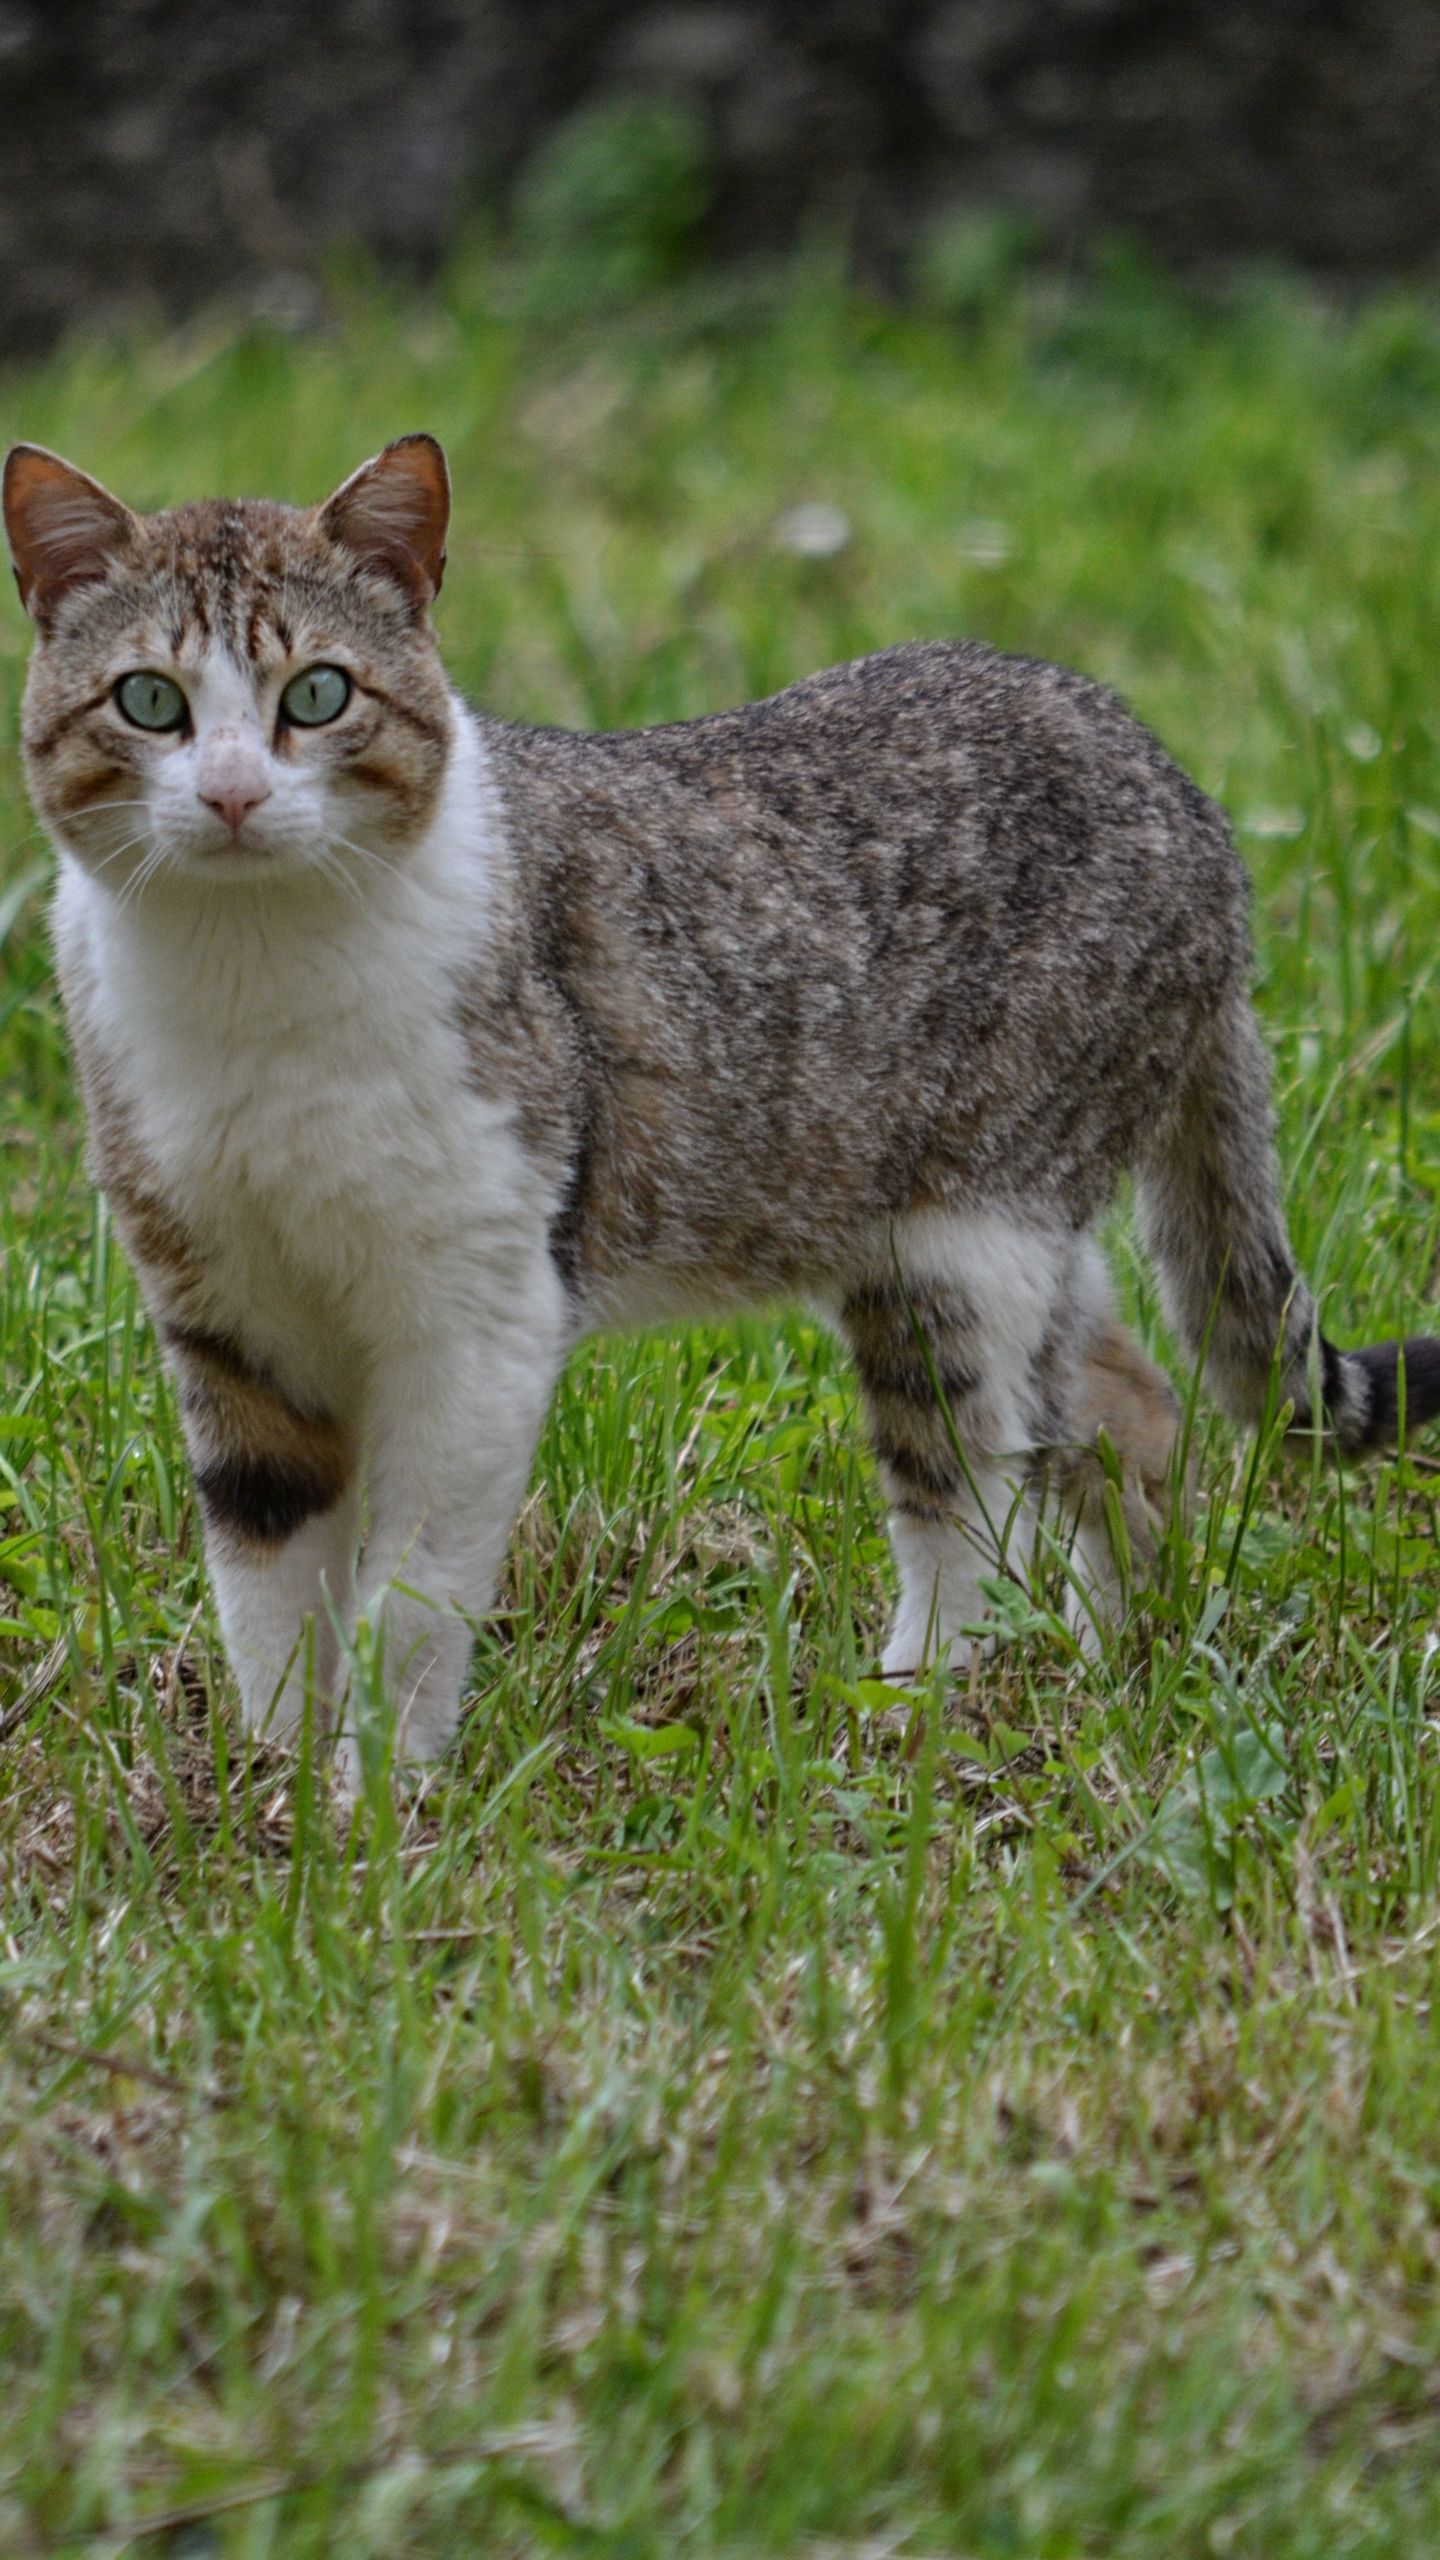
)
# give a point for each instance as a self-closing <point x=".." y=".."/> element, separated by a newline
<point x="234" y="690"/>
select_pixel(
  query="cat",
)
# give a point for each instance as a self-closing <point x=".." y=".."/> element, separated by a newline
<point x="415" y="1044"/>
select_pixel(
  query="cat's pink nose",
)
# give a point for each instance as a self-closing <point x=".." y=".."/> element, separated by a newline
<point x="234" y="801"/>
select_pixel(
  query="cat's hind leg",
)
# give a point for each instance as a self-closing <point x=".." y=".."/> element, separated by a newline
<point x="962" y="1345"/>
<point x="1120" y="1502"/>
<point x="990" y="1363"/>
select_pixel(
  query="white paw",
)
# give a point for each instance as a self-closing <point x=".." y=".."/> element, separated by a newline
<point x="346" y="1772"/>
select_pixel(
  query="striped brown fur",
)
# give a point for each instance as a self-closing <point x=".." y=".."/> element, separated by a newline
<point x="914" y="1428"/>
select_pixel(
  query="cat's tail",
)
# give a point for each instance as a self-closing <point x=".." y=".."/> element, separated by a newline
<point x="1210" y="1212"/>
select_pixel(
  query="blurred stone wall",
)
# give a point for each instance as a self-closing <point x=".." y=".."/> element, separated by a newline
<point x="162" y="150"/>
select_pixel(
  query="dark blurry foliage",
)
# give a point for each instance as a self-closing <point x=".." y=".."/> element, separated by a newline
<point x="162" y="150"/>
<point x="612" y="205"/>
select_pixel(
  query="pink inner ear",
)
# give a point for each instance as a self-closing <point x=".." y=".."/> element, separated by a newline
<point x="62" y="526"/>
<point x="393" y="514"/>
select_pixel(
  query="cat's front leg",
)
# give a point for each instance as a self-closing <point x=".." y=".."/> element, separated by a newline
<point x="278" y="1487"/>
<point x="452" y="1434"/>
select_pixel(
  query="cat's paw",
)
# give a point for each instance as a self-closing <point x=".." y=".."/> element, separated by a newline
<point x="917" y="1646"/>
<point x="411" y="1774"/>
<point x="347" y="1774"/>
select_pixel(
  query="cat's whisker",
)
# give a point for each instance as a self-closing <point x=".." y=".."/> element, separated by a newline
<point x="329" y="868"/>
<point x="21" y="844"/>
<point x="116" y="851"/>
<point x="129" y="895"/>
<point x="121" y="887"/>
<point x="116" y="810"/>
<point x="153" y="862"/>
<point x="327" y="862"/>
<point x="364" y="852"/>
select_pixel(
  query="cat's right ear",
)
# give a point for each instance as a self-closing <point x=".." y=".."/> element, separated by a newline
<point x="62" y="527"/>
<point x="393" y="514"/>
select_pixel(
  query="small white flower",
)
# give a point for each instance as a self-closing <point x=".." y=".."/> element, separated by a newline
<point x="815" y="531"/>
<point x="984" y="544"/>
<point x="1282" y="823"/>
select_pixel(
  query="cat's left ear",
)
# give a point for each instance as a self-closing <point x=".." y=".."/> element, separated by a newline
<point x="393" y="514"/>
<point x="63" y="528"/>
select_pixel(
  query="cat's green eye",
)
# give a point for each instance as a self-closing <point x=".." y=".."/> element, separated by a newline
<point x="150" y="701"/>
<point x="316" y="695"/>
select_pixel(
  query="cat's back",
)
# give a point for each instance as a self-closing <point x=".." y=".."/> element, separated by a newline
<point x="943" y="764"/>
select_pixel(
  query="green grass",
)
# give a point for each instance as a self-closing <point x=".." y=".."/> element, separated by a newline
<point x="731" y="2115"/>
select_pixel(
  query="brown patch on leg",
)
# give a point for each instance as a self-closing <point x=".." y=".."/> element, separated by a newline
<point x="263" y="1465"/>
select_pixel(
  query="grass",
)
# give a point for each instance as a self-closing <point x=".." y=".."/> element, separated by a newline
<point x="746" y="2110"/>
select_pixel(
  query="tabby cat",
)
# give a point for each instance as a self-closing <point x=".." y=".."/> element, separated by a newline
<point x="415" y="1045"/>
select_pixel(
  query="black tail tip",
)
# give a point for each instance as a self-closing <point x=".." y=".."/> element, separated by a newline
<point x="1379" y="1382"/>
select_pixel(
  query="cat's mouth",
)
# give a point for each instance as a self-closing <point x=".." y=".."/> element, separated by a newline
<point x="244" y="857"/>
<point x="225" y="856"/>
<point x="207" y="860"/>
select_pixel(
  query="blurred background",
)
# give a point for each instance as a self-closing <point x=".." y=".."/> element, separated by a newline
<point x="672" y="2144"/>
<point x="158" y="151"/>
